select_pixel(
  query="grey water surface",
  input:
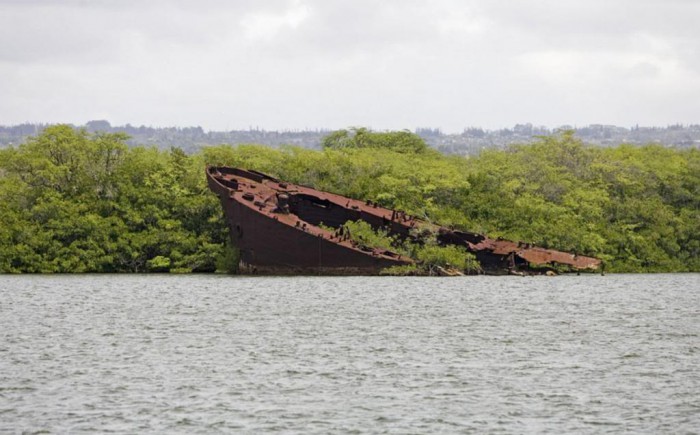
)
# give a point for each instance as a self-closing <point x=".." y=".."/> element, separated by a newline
<point x="217" y="354"/>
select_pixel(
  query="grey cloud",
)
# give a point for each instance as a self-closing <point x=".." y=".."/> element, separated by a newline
<point x="390" y="64"/>
<point x="93" y="31"/>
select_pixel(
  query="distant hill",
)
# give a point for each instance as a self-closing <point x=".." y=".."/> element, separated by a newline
<point x="470" y="142"/>
<point x="189" y="139"/>
<point x="473" y="140"/>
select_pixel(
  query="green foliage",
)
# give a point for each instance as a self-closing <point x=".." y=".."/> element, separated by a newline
<point x="448" y="257"/>
<point x="75" y="202"/>
<point x="402" y="141"/>
<point x="426" y="251"/>
<point x="634" y="206"/>
<point x="229" y="260"/>
<point x="363" y="234"/>
<point x="407" y="270"/>
<point x="71" y="201"/>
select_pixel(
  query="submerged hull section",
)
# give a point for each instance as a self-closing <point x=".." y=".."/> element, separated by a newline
<point x="286" y="229"/>
<point x="275" y="241"/>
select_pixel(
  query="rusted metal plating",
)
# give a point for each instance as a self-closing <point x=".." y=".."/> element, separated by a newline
<point x="253" y="200"/>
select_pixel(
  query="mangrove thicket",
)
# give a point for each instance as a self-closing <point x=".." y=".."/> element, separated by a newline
<point x="73" y="201"/>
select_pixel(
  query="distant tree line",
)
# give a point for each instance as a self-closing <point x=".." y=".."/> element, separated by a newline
<point x="76" y="201"/>
<point x="471" y="141"/>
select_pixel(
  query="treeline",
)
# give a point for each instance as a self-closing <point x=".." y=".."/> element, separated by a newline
<point x="471" y="141"/>
<point x="73" y="201"/>
<point x="189" y="139"/>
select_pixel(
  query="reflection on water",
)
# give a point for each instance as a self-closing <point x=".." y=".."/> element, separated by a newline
<point x="188" y="354"/>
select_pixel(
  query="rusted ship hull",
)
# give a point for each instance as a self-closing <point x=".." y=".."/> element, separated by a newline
<point x="273" y="242"/>
<point x="285" y="229"/>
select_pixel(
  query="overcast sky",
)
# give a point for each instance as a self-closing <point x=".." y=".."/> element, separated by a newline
<point x="389" y="64"/>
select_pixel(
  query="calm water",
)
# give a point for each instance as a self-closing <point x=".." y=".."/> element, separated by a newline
<point x="208" y="354"/>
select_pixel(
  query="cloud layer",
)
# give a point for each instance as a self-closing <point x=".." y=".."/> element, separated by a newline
<point x="294" y="64"/>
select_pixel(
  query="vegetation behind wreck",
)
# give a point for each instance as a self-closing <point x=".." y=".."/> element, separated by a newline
<point x="72" y="201"/>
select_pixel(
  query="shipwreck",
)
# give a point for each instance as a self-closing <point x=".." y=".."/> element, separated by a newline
<point x="282" y="228"/>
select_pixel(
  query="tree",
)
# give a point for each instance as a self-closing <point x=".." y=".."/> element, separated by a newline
<point x="360" y="137"/>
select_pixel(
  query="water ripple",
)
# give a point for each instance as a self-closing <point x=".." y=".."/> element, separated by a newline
<point x="207" y="354"/>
